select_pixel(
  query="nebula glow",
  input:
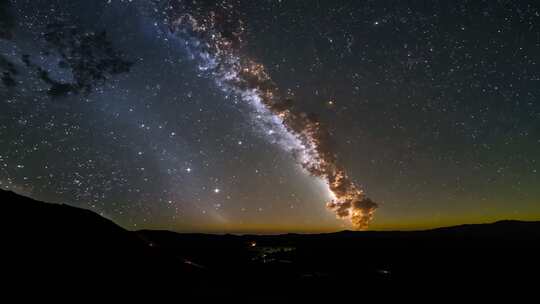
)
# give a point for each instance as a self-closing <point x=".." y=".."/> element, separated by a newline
<point x="215" y="38"/>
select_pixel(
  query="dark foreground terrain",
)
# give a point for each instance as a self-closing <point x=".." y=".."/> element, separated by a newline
<point x="57" y="248"/>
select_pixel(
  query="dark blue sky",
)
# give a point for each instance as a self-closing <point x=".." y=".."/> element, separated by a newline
<point x="433" y="108"/>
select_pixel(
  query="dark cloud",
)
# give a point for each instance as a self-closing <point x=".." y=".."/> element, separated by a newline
<point x="89" y="58"/>
<point x="89" y="55"/>
<point x="8" y="72"/>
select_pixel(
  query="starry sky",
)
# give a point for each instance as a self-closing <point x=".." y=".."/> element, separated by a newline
<point x="432" y="106"/>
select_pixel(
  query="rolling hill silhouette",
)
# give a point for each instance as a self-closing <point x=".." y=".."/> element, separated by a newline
<point x="51" y="245"/>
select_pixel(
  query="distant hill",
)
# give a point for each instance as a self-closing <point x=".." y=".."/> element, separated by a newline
<point x="58" y="245"/>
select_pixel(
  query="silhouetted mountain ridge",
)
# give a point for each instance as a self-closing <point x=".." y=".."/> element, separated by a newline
<point x="51" y="244"/>
<point x="62" y="245"/>
<point x="63" y="209"/>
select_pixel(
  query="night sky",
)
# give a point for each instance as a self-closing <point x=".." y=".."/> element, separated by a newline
<point x="432" y="108"/>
